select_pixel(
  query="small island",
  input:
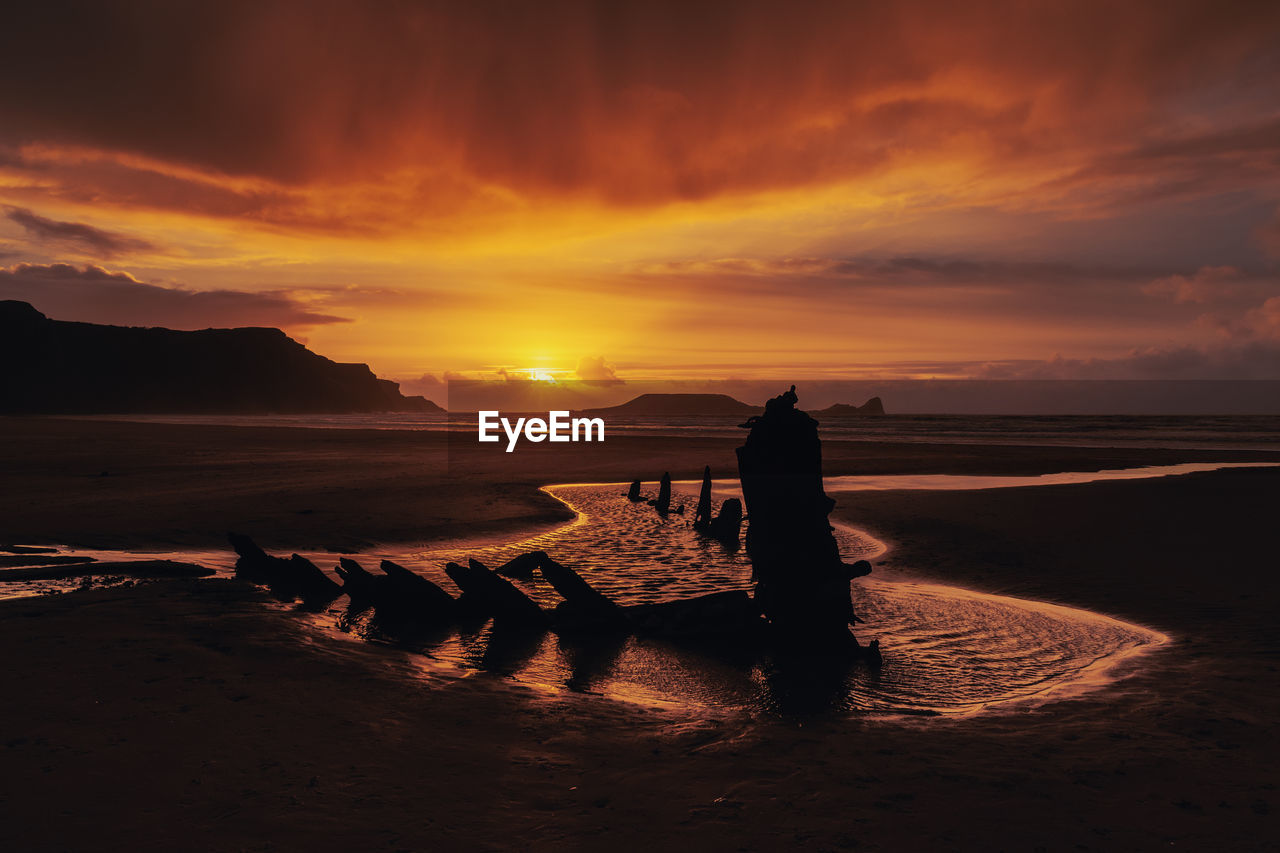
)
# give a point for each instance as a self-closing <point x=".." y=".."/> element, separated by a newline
<point x="873" y="406"/>
<point x="678" y="405"/>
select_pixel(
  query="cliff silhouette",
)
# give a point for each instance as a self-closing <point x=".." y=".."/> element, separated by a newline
<point x="58" y="367"/>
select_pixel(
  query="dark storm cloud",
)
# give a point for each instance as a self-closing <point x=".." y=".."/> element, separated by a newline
<point x="627" y="101"/>
<point x="93" y="294"/>
<point x="93" y="241"/>
<point x="988" y="180"/>
<point x="1254" y="359"/>
<point x="1183" y="166"/>
<point x="926" y="287"/>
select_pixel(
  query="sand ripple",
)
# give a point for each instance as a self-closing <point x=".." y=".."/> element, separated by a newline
<point x="947" y="650"/>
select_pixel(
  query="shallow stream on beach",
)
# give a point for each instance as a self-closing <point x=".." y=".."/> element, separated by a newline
<point x="947" y="650"/>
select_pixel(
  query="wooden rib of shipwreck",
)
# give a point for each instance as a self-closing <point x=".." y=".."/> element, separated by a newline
<point x="726" y="617"/>
<point x="292" y="578"/>
<point x="727" y="525"/>
<point x="495" y="596"/>
<point x="584" y="610"/>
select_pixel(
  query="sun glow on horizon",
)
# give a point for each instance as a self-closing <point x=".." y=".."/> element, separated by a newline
<point x="912" y="189"/>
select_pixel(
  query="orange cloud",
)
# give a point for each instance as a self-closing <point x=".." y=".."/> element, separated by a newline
<point x="94" y="294"/>
<point x="640" y="104"/>
<point x="97" y="241"/>
<point x="713" y="186"/>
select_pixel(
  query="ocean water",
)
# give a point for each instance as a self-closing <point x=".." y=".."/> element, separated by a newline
<point x="1261" y="432"/>
<point x="1227" y="432"/>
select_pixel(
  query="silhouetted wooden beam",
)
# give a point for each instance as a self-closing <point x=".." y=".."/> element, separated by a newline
<point x="309" y="582"/>
<point x="718" y="614"/>
<point x="663" y="503"/>
<point x="416" y="591"/>
<point x="522" y="566"/>
<point x="585" y="607"/>
<point x="495" y="596"/>
<point x="253" y="564"/>
<point x="702" y="518"/>
<point x="295" y="577"/>
<point x="572" y="587"/>
<point x="360" y="584"/>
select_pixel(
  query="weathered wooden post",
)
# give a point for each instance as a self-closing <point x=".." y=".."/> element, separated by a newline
<point x="802" y="585"/>
<point x="663" y="503"/>
<point x="728" y="523"/>
<point x="702" y="518"/>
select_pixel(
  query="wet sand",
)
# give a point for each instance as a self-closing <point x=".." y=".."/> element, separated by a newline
<point x="143" y="718"/>
<point x="114" y="484"/>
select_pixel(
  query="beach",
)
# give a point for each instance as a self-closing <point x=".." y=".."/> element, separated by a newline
<point x="652" y="426"/>
<point x="119" y="484"/>
<point x="144" y="717"/>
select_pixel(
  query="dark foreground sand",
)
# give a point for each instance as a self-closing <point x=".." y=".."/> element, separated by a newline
<point x="197" y="714"/>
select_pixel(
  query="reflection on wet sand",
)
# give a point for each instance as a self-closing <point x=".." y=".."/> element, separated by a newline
<point x="947" y="650"/>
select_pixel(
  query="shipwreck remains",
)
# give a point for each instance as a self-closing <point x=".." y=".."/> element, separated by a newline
<point x="799" y="612"/>
<point x="801" y="583"/>
<point x="487" y="593"/>
<point x="727" y="525"/>
<point x="404" y="596"/>
<point x="663" y="502"/>
<point x="292" y="578"/>
<point x="702" y="516"/>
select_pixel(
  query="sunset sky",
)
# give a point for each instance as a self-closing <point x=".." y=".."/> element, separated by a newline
<point x="651" y="189"/>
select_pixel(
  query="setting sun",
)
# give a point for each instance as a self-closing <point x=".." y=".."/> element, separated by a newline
<point x="897" y="190"/>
